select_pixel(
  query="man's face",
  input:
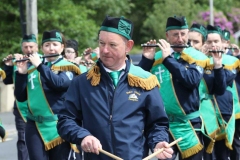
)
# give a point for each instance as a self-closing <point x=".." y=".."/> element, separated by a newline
<point x="29" y="47"/>
<point x="113" y="49"/>
<point x="214" y="41"/>
<point x="177" y="37"/>
<point x="196" y="39"/>
<point x="225" y="44"/>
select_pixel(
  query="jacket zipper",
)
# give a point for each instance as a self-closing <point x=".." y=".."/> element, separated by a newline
<point x="110" y="121"/>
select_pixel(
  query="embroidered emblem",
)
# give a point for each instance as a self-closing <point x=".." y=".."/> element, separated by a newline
<point x="32" y="76"/>
<point x="207" y="71"/>
<point x="124" y="27"/>
<point x="133" y="97"/>
<point x="70" y="75"/>
<point x="55" y="72"/>
<point x="58" y="36"/>
<point x="234" y="71"/>
<point x="200" y="69"/>
<point x="160" y="71"/>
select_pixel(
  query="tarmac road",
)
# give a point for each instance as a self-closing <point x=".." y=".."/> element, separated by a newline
<point x="8" y="149"/>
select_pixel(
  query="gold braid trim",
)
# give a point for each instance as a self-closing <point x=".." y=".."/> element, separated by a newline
<point x="159" y="61"/>
<point x="146" y="84"/>
<point x="190" y="60"/>
<point x="74" y="148"/>
<point x="2" y="74"/>
<point x="237" y="116"/>
<point x="220" y="137"/>
<point x="239" y="65"/>
<point x="235" y="65"/>
<point x="31" y="70"/>
<point x="72" y="68"/>
<point x="95" y="75"/>
<point x="53" y="143"/>
<point x="228" y="144"/>
<point x="212" y="142"/>
<point x="214" y="134"/>
<point x="210" y="147"/>
<point x="210" y="67"/>
<point x="191" y="151"/>
<point x="224" y="136"/>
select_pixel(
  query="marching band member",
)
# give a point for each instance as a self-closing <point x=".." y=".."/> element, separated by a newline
<point x="115" y="106"/>
<point x="44" y="85"/>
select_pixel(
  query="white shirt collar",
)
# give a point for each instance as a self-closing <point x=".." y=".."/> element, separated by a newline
<point x="45" y="60"/>
<point x="109" y="70"/>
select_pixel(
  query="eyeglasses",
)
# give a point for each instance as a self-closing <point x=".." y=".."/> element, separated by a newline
<point x="69" y="52"/>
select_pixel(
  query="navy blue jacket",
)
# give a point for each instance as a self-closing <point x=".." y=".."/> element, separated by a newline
<point x="9" y="74"/>
<point x="54" y="86"/>
<point x="216" y="80"/>
<point x="9" y="70"/>
<point x="217" y="83"/>
<point x="124" y="127"/>
<point x="225" y="100"/>
<point x="185" y="81"/>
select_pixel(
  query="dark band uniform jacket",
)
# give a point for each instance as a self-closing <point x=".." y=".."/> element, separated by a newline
<point x="10" y="78"/>
<point x="128" y="120"/>
<point x="182" y="74"/>
<point x="52" y="84"/>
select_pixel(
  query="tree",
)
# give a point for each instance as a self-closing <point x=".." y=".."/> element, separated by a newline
<point x="72" y="20"/>
<point x="155" y="24"/>
<point x="10" y="31"/>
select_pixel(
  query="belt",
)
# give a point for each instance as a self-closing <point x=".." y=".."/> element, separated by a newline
<point x="41" y="119"/>
<point x="183" y="118"/>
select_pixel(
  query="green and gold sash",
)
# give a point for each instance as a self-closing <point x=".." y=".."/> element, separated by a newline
<point x="236" y="101"/>
<point x="180" y="125"/>
<point x="208" y="114"/>
<point x="21" y="106"/>
<point x="40" y="108"/>
<point x="40" y="111"/>
<point x="227" y="129"/>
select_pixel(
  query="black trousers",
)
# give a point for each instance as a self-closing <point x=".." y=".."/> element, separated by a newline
<point x="221" y="150"/>
<point x="21" y="144"/>
<point x="36" y="148"/>
<point x="197" y="156"/>
<point x="235" y="153"/>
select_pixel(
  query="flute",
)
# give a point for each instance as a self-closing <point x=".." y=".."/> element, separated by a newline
<point x="12" y="58"/>
<point x="172" y="46"/>
<point x="215" y="51"/>
<point x="231" y="48"/>
<point x="44" y="56"/>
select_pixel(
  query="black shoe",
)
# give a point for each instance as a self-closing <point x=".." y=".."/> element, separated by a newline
<point x="2" y="133"/>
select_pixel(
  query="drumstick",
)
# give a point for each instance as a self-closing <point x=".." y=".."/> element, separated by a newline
<point x="162" y="149"/>
<point x="109" y="154"/>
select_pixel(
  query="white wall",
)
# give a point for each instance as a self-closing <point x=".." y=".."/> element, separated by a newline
<point x="6" y="97"/>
